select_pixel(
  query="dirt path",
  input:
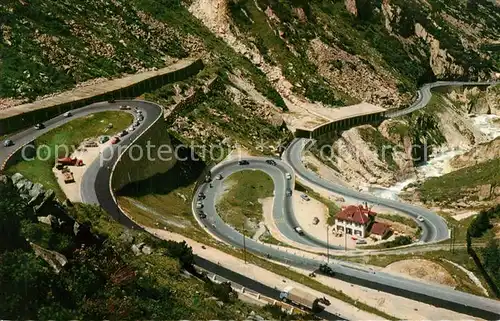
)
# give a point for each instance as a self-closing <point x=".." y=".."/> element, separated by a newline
<point x="422" y="270"/>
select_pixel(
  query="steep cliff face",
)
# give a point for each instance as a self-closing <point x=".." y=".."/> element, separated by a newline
<point x="479" y="154"/>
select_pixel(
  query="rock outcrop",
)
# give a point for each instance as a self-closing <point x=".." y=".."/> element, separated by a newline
<point x="478" y="154"/>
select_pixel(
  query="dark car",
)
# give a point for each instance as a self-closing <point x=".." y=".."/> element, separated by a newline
<point x="201" y="214"/>
<point x="8" y="143"/>
<point x="271" y="162"/>
<point x="39" y="126"/>
<point x="243" y="162"/>
<point x="111" y="101"/>
<point x="201" y="196"/>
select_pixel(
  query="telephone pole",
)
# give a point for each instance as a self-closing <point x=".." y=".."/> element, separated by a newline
<point x="244" y="245"/>
<point x="327" y="247"/>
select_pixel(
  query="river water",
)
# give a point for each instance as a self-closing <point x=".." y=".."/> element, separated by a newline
<point x="438" y="163"/>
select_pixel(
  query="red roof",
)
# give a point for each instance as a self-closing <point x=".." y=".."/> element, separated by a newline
<point x="353" y="213"/>
<point x="380" y="228"/>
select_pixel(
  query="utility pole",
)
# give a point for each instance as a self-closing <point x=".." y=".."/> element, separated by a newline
<point x="327" y="246"/>
<point x="345" y="239"/>
<point x="244" y="245"/>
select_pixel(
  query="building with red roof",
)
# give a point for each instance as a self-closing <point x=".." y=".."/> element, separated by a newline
<point x="354" y="220"/>
<point x="380" y="230"/>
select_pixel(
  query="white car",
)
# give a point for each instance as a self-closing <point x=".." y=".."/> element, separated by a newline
<point x="218" y="177"/>
<point x="420" y="218"/>
<point x="199" y="205"/>
<point x="288" y="176"/>
<point x="67" y="114"/>
<point x="299" y="230"/>
<point x="124" y="107"/>
<point x="305" y="197"/>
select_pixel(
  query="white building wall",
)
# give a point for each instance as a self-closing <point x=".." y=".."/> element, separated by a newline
<point x="357" y="229"/>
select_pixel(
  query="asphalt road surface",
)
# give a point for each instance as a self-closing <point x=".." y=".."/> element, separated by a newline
<point x="102" y="194"/>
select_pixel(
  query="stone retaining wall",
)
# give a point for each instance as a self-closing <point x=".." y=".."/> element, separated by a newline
<point x="27" y="115"/>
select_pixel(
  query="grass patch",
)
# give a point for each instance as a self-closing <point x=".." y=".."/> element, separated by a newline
<point x="399" y="219"/>
<point x="70" y="135"/>
<point x="240" y="204"/>
<point x="455" y="185"/>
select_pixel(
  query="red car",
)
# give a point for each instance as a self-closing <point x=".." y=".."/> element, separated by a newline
<point x="70" y="161"/>
<point x="115" y="140"/>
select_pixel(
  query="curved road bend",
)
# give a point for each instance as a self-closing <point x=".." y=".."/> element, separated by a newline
<point x="434" y="227"/>
<point x="95" y="188"/>
<point x="433" y="294"/>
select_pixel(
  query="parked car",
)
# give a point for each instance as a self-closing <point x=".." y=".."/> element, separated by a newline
<point x="218" y="177"/>
<point x="199" y="205"/>
<point x="103" y="139"/>
<point x="124" y="107"/>
<point x="39" y="126"/>
<point x="111" y="101"/>
<point x="123" y="133"/>
<point x="201" y="214"/>
<point x="305" y="197"/>
<point x="288" y="176"/>
<point x="299" y="230"/>
<point x="7" y="143"/>
<point x="361" y="242"/>
<point x="201" y="196"/>
<point x="115" y="140"/>
<point x="243" y="162"/>
<point x="271" y="162"/>
<point x="67" y="114"/>
<point x="288" y="192"/>
<point x="140" y="118"/>
<point x="420" y="218"/>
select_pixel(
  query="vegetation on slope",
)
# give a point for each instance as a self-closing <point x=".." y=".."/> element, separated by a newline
<point x="105" y="280"/>
<point x="239" y="206"/>
<point x="456" y="185"/>
<point x="70" y="136"/>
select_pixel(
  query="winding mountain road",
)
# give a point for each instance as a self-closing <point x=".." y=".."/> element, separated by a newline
<point x="96" y="189"/>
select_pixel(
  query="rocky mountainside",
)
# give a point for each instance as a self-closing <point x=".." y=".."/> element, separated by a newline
<point x="388" y="153"/>
<point x="337" y="52"/>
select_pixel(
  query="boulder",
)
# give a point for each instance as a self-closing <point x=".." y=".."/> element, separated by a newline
<point x="496" y="190"/>
<point x="484" y="192"/>
<point x="50" y="220"/>
<point x="146" y="250"/>
<point x="35" y="189"/>
<point x="136" y="250"/>
<point x="16" y="178"/>
<point x="127" y="237"/>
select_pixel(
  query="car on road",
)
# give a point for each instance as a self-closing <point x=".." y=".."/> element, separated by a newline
<point x="243" y="162"/>
<point x="115" y="140"/>
<point x="39" y="126"/>
<point x="103" y="139"/>
<point x="218" y="177"/>
<point x="288" y="192"/>
<point x="299" y="230"/>
<point x="288" y="176"/>
<point x="271" y="162"/>
<point x="7" y="143"/>
<point x="201" y="196"/>
<point x="420" y="218"/>
<point x="361" y="242"/>
<point x="202" y="214"/>
<point x="111" y="101"/>
<point x="123" y="133"/>
<point x="67" y="114"/>
<point x="305" y="197"/>
<point x="140" y="118"/>
<point x="124" y="107"/>
<point x="199" y="205"/>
